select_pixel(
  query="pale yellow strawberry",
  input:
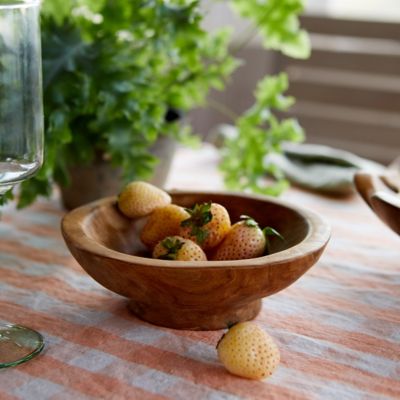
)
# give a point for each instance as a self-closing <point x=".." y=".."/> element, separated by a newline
<point x="162" y="222"/>
<point x="177" y="248"/>
<point x="139" y="199"/>
<point x="244" y="240"/>
<point x="248" y="351"/>
<point x="208" y="224"/>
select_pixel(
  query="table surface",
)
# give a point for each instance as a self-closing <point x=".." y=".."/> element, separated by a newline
<point x="337" y="327"/>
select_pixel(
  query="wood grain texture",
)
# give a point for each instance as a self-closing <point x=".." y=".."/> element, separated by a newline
<point x="377" y="192"/>
<point x="194" y="295"/>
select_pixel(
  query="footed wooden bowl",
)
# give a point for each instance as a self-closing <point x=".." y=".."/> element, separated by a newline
<point x="200" y="295"/>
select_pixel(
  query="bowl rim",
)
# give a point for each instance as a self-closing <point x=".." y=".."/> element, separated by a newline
<point x="72" y="228"/>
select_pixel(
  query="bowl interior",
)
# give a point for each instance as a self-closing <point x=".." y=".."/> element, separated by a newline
<point x="107" y="226"/>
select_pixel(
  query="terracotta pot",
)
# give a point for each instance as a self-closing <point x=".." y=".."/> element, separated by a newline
<point x="100" y="179"/>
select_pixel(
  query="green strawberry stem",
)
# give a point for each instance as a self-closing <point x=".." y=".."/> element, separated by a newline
<point x="268" y="231"/>
<point x="200" y="215"/>
<point x="172" y="245"/>
<point x="249" y="221"/>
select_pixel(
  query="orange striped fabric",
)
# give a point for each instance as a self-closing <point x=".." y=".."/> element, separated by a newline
<point x="338" y="327"/>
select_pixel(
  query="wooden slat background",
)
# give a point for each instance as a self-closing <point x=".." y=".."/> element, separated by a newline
<point x="348" y="91"/>
<point x="348" y="27"/>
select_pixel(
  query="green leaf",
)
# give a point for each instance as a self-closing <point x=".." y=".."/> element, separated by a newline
<point x="31" y="188"/>
<point x="6" y="197"/>
<point x="268" y="231"/>
<point x="57" y="9"/>
<point x="277" y="22"/>
<point x="260" y="133"/>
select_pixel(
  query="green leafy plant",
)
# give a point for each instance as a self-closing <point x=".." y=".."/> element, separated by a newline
<point x="259" y="132"/>
<point x="114" y="70"/>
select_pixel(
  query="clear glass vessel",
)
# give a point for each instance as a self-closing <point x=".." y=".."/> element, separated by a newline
<point x="21" y="134"/>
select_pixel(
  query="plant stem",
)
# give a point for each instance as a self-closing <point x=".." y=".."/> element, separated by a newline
<point x="223" y="109"/>
<point x="249" y="33"/>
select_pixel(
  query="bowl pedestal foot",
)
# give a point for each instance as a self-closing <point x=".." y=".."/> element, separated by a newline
<point x="177" y="317"/>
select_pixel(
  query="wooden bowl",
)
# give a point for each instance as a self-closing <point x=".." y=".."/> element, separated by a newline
<point x="382" y="194"/>
<point x="194" y="295"/>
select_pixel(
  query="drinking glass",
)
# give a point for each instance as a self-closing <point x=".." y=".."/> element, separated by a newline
<point x="21" y="134"/>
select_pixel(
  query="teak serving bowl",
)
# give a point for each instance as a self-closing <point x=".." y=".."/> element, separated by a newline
<point x="194" y="295"/>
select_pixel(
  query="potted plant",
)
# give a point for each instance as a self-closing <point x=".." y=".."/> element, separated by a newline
<point x="118" y="73"/>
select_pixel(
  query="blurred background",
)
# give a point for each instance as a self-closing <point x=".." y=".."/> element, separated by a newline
<point x="348" y="91"/>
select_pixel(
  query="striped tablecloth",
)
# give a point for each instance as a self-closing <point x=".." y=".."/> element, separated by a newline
<point x="338" y="327"/>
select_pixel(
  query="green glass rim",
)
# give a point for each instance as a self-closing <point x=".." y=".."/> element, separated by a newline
<point x="7" y="4"/>
<point x="29" y="356"/>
